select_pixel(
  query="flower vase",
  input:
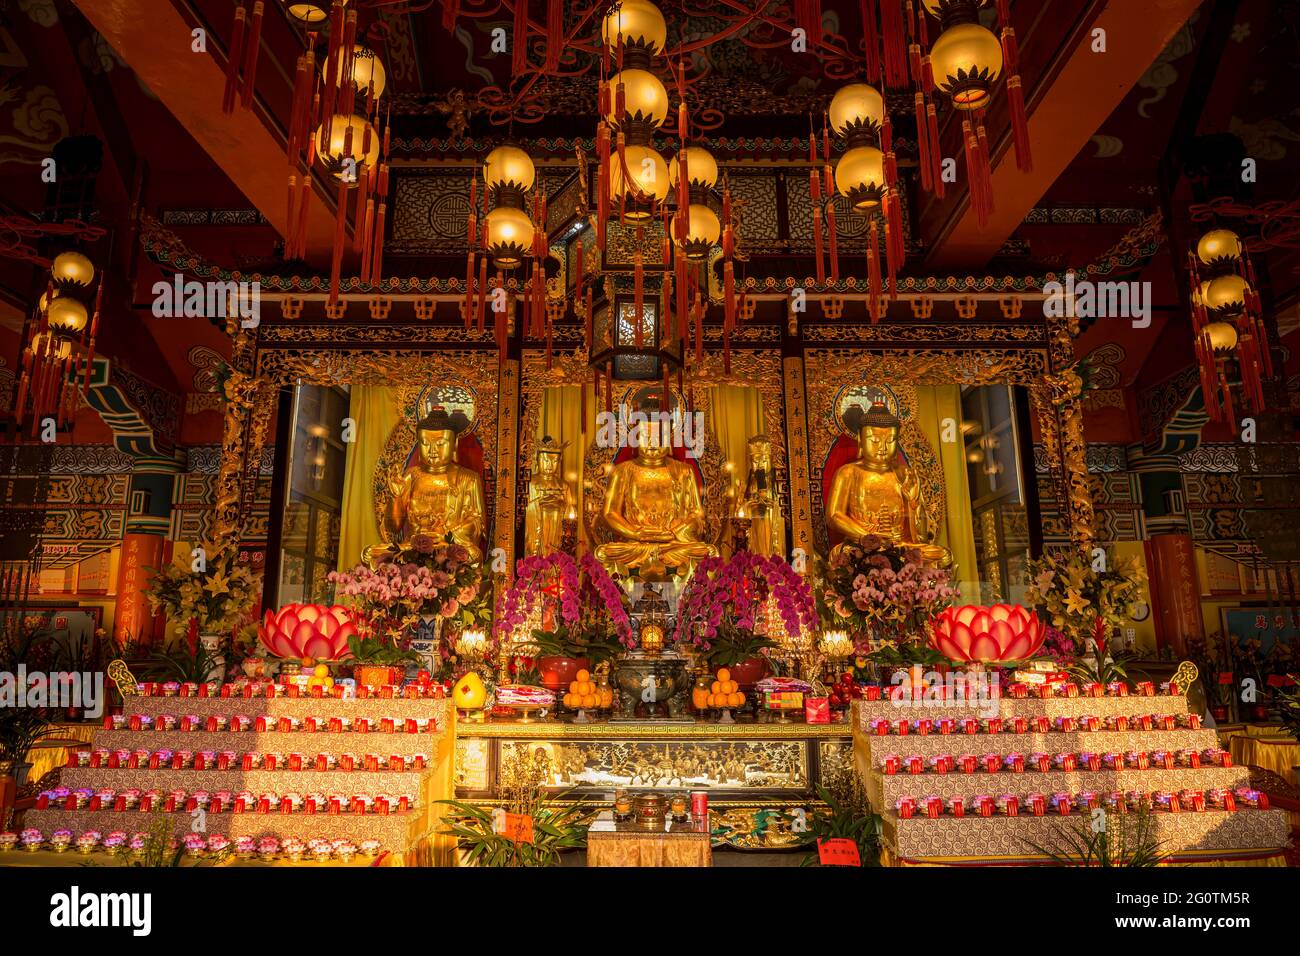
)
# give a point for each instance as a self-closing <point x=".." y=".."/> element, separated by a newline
<point x="424" y="641"/>
<point x="211" y="643"/>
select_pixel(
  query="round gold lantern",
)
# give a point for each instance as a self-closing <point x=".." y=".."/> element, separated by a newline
<point x="635" y="23"/>
<point x="860" y="177"/>
<point x="856" y="108"/>
<point x="1222" y="337"/>
<point x="701" y="167"/>
<point x="365" y="68"/>
<point x="703" y="230"/>
<point x="966" y="60"/>
<point x="510" y="167"/>
<point x="509" y="235"/>
<point x="1218" y="246"/>
<point x="364" y="151"/>
<point x="1225" y="295"/>
<point x="644" y="99"/>
<point x="645" y="179"/>
<point x="67" y="315"/>
<point x="71" y="269"/>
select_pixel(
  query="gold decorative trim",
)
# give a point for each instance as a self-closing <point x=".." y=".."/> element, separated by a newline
<point x="634" y="730"/>
<point x="796" y="429"/>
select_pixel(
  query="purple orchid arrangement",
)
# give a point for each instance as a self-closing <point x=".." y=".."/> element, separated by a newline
<point x="583" y="598"/>
<point x="725" y="597"/>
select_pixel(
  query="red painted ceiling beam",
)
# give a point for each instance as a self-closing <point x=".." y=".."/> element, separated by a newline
<point x="155" y="39"/>
<point x="1067" y="107"/>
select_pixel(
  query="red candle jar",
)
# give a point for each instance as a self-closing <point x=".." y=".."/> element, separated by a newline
<point x="903" y="727"/>
<point x="892" y="764"/>
<point x="992" y="763"/>
<point x="968" y="763"/>
<point x="915" y="765"/>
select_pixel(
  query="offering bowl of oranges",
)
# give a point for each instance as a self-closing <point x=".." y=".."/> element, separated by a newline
<point x="585" y="695"/>
<point x="722" y="695"/>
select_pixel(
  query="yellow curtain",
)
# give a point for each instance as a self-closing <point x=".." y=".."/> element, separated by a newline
<point x="737" y="416"/>
<point x="561" y="418"/>
<point x="934" y="403"/>
<point x="374" y="410"/>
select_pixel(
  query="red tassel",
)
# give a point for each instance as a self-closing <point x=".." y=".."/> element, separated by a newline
<point x="833" y="233"/>
<point x="340" y="224"/>
<point x="519" y="39"/>
<point x="481" y="314"/>
<point x="253" y="45"/>
<point x="817" y="242"/>
<point x="871" y="39"/>
<point x="1015" y="93"/>
<point x="922" y="143"/>
<point x="554" y="34"/>
<point x="697" y="315"/>
<point x="873" y="273"/>
<point x="892" y="32"/>
<point x="233" y="57"/>
<point x="936" y="159"/>
<point x="450" y="10"/>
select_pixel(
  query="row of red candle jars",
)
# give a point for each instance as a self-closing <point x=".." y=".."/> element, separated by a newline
<point x="1046" y="691"/>
<point x="1068" y="762"/>
<point x="1039" y="724"/>
<point x="251" y="761"/>
<point x="265" y="724"/>
<point x="1063" y="804"/>
<point x="411" y="691"/>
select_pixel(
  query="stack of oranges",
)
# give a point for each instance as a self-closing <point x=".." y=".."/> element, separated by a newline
<point x="722" y="693"/>
<point x="584" y="695"/>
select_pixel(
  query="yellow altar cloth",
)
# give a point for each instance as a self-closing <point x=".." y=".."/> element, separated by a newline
<point x="611" y="844"/>
<point x="51" y="750"/>
<point x="1263" y="745"/>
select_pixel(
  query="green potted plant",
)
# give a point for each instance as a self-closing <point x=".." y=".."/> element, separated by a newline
<point x="848" y="816"/>
<point x="20" y="728"/>
<point x="377" y="661"/>
<point x="557" y="824"/>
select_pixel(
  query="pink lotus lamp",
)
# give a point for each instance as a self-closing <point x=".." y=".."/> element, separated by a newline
<point x="1003" y="632"/>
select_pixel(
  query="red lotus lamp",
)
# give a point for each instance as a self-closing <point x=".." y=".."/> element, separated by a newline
<point x="317" y="631"/>
<point x="989" y="635"/>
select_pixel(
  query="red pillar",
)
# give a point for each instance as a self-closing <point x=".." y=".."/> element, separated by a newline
<point x="1175" y="594"/>
<point x="133" y="616"/>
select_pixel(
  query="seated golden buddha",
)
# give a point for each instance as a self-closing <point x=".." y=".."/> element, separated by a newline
<point x="653" y="507"/>
<point x="434" y="497"/>
<point x="878" y="493"/>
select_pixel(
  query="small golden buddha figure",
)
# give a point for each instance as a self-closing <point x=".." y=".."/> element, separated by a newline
<point x="435" y="496"/>
<point x="759" y="500"/>
<point x="653" y="506"/>
<point x="878" y="494"/>
<point x="549" y="500"/>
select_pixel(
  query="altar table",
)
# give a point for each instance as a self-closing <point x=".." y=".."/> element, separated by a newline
<point x="617" y="844"/>
<point x="1263" y="745"/>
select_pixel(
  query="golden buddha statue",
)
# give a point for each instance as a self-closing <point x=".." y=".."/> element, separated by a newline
<point x="434" y="497"/>
<point x="549" y="500"/>
<point x="878" y="493"/>
<point x="653" y="506"/>
<point x="759" y="501"/>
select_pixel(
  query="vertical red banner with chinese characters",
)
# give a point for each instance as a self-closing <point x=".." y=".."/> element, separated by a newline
<point x="132" y="617"/>
<point x="1175" y="592"/>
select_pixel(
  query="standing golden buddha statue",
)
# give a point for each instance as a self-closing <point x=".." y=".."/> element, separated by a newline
<point x="653" y="506"/>
<point x="878" y="493"/>
<point x="549" y="501"/>
<point x="434" y="497"/>
<point x="759" y="500"/>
